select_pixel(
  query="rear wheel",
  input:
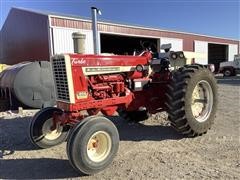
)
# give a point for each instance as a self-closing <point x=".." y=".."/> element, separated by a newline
<point x="93" y="145"/>
<point x="41" y="133"/>
<point x="192" y="100"/>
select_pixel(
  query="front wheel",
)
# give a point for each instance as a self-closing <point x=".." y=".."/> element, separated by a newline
<point x="93" y="145"/>
<point x="192" y="100"/>
<point x="41" y="133"/>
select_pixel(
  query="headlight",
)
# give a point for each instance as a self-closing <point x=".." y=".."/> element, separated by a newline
<point x="139" y="68"/>
<point x="181" y="55"/>
<point x="174" y="56"/>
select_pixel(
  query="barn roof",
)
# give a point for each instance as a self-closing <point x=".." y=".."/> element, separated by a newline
<point x="71" y="16"/>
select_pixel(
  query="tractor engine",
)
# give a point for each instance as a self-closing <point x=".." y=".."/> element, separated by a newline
<point x="84" y="82"/>
<point x="107" y="86"/>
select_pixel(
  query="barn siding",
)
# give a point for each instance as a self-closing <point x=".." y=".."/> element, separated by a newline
<point x="232" y="50"/>
<point x="24" y="37"/>
<point x="201" y="47"/>
<point x="188" y="39"/>
<point x="177" y="44"/>
<point x="63" y="42"/>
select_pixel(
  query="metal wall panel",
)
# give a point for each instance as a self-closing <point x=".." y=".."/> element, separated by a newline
<point x="202" y="48"/>
<point x="177" y="44"/>
<point x="24" y="37"/>
<point x="63" y="42"/>
<point x="188" y="39"/>
<point x="232" y="50"/>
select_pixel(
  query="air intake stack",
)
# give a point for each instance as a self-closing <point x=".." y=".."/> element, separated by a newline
<point x="79" y="42"/>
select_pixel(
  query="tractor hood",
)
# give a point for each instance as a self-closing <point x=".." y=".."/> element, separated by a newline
<point x="103" y="64"/>
<point x="109" y="60"/>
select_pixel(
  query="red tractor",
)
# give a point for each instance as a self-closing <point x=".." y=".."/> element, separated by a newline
<point x="136" y="85"/>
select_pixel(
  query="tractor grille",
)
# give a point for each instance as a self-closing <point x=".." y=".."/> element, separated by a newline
<point x="60" y="78"/>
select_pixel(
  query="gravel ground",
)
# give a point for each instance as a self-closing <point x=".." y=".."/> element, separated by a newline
<point x="149" y="150"/>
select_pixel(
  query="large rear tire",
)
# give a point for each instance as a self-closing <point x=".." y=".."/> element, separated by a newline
<point x="40" y="130"/>
<point x="92" y="145"/>
<point x="192" y="100"/>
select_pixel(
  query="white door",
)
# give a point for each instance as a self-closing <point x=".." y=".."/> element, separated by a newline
<point x="201" y="47"/>
<point x="177" y="44"/>
<point x="232" y="50"/>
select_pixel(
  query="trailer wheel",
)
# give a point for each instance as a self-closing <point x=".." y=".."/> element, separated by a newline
<point x="92" y="145"/>
<point x="40" y="130"/>
<point x="192" y="100"/>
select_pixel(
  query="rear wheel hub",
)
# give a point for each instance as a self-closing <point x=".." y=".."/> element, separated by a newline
<point x="202" y="101"/>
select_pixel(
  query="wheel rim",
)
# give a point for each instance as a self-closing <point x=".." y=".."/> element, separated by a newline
<point x="99" y="146"/>
<point x="227" y="73"/>
<point x="202" y="101"/>
<point x="51" y="134"/>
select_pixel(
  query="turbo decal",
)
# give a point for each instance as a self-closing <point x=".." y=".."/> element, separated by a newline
<point x="76" y="61"/>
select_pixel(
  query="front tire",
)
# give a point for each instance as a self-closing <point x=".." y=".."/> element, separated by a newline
<point x="192" y="100"/>
<point x="40" y="130"/>
<point x="93" y="145"/>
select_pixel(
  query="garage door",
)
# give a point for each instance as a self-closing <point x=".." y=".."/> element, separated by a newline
<point x="123" y="45"/>
<point x="201" y="47"/>
<point x="232" y="50"/>
<point x="177" y="44"/>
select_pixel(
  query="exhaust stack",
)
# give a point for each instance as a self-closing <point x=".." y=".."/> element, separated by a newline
<point x="96" y="41"/>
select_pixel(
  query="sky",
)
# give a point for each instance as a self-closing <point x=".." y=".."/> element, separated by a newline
<point x="211" y="17"/>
